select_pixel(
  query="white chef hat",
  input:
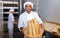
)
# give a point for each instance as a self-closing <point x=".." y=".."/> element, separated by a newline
<point x="11" y="9"/>
<point x="28" y="3"/>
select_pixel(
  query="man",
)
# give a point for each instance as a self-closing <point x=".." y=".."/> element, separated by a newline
<point x="10" y="22"/>
<point x="27" y="15"/>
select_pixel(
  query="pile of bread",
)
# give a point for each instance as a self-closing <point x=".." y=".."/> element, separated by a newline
<point x="33" y="28"/>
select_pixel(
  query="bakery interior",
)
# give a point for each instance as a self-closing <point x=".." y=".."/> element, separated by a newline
<point x="48" y="10"/>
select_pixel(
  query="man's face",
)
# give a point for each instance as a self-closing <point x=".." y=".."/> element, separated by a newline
<point x="28" y="7"/>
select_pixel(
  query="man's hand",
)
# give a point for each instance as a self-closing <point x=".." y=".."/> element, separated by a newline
<point x="22" y="29"/>
<point x="42" y="27"/>
<point x="15" y="22"/>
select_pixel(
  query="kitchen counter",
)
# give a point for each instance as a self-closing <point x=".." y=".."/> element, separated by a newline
<point x="52" y="28"/>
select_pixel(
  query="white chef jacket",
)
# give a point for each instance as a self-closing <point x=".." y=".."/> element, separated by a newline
<point x="10" y="21"/>
<point x="24" y="17"/>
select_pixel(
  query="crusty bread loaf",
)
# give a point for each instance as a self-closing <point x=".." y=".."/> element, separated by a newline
<point x="32" y="29"/>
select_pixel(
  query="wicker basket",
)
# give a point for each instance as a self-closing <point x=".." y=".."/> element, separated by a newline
<point x="28" y="36"/>
<point x="33" y="30"/>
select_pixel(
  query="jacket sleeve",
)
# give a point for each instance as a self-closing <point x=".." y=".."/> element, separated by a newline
<point x="20" y="22"/>
<point x="38" y="18"/>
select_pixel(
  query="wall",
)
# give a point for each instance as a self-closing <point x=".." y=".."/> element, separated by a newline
<point x="49" y="10"/>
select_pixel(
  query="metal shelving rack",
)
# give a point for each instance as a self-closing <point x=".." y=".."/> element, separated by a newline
<point x="1" y="16"/>
<point x="6" y="7"/>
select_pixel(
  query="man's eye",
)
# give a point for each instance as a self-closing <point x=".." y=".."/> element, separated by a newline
<point x="28" y="6"/>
